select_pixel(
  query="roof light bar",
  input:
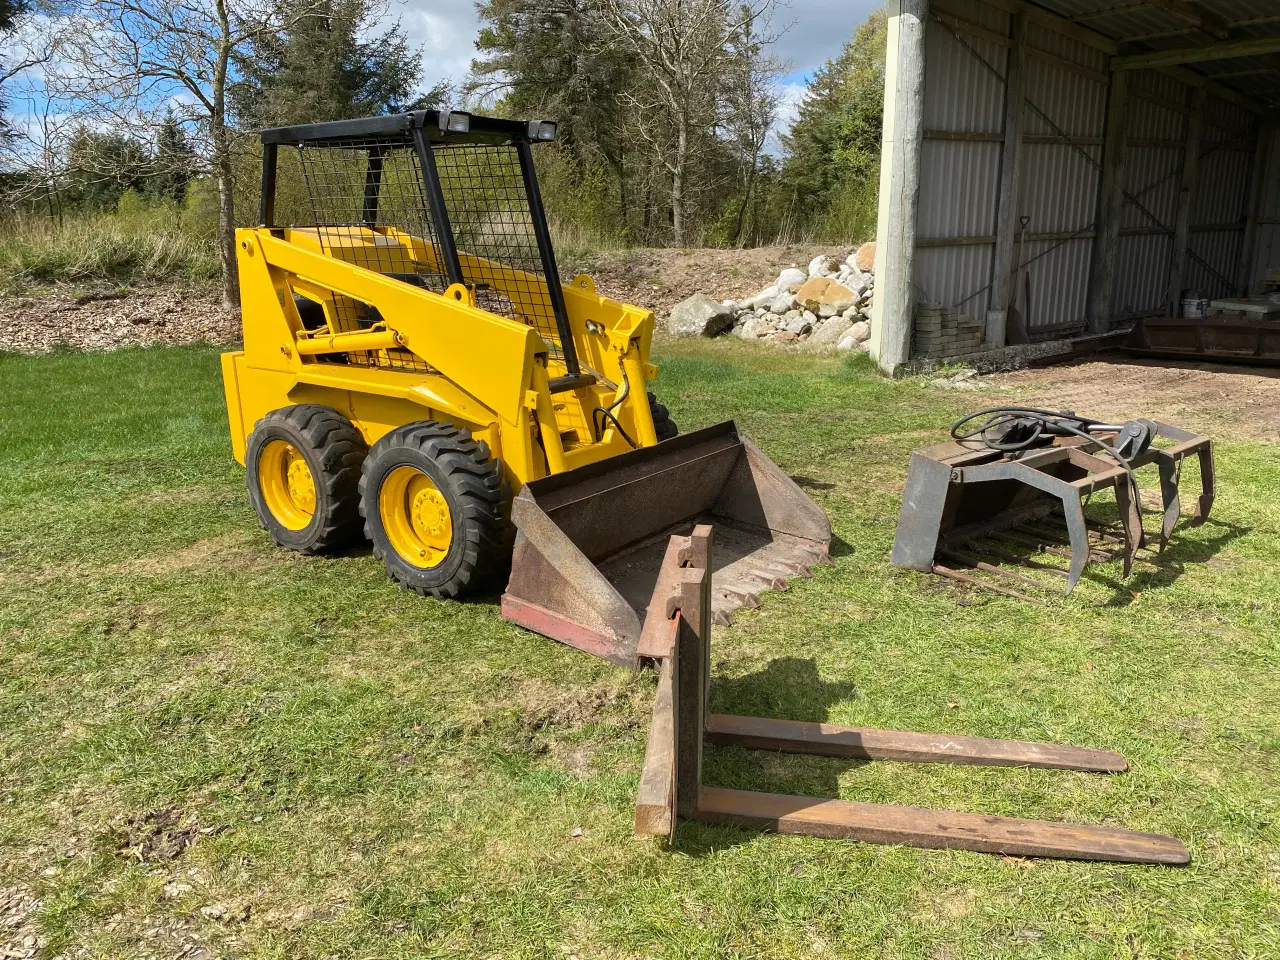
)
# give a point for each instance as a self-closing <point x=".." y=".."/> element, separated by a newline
<point x="543" y="131"/>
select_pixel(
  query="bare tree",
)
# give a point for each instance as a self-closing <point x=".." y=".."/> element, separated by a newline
<point x="128" y="61"/>
<point x="684" y="50"/>
<point x="753" y="101"/>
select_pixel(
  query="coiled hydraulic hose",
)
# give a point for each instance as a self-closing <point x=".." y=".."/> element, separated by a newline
<point x="1016" y="429"/>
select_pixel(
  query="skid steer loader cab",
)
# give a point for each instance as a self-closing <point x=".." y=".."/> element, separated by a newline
<point x="412" y="362"/>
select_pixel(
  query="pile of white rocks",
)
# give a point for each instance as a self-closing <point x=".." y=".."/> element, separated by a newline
<point x="828" y="305"/>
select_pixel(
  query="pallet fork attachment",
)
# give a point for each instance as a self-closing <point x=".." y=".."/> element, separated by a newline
<point x="677" y="635"/>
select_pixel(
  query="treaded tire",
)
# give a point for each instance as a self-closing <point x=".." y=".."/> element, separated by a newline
<point x="333" y="450"/>
<point x="662" y="423"/>
<point x="472" y="484"/>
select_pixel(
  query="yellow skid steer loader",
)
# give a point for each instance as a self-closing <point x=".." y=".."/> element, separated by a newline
<point x="412" y="363"/>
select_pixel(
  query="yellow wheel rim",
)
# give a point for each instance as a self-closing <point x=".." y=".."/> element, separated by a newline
<point x="288" y="487"/>
<point x="416" y="517"/>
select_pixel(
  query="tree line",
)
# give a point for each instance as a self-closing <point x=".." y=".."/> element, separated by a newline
<point x="667" y="109"/>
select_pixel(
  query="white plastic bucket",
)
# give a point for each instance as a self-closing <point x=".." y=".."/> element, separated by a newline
<point x="1195" y="309"/>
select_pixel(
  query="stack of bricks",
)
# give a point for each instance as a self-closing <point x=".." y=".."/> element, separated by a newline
<point x="941" y="333"/>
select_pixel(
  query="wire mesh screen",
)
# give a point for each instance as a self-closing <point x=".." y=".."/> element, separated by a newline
<point x="489" y="209"/>
<point x="364" y="202"/>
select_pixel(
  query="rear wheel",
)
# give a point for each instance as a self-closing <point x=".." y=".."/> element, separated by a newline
<point x="663" y="425"/>
<point x="303" y="471"/>
<point x="433" y="502"/>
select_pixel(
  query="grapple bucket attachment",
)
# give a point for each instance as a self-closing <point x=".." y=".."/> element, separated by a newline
<point x="969" y="506"/>
<point x="590" y="541"/>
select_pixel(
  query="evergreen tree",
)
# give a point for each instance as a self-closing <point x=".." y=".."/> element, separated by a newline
<point x="553" y="59"/>
<point x="174" y="162"/>
<point x="101" y="167"/>
<point x="328" y="66"/>
<point x="834" y="143"/>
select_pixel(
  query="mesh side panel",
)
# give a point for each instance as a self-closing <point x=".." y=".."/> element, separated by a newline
<point x="488" y="208"/>
<point x="364" y="203"/>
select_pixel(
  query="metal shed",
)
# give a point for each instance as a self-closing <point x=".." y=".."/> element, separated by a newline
<point x="1079" y="162"/>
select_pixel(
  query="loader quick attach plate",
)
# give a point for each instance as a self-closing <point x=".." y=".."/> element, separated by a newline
<point x="678" y="638"/>
<point x="1016" y="521"/>
<point x="590" y="541"/>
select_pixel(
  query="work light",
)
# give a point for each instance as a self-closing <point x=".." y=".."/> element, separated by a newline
<point x="542" y="130"/>
<point x="456" y="121"/>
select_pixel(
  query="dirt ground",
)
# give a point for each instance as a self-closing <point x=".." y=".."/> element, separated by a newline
<point x="98" y="318"/>
<point x="1225" y="401"/>
<point x="93" y="319"/>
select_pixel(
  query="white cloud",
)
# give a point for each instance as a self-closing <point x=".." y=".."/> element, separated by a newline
<point x="446" y="32"/>
<point x="791" y="93"/>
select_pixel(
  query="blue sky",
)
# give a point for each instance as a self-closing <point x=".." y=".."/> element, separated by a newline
<point x="810" y="32"/>
<point x="815" y="32"/>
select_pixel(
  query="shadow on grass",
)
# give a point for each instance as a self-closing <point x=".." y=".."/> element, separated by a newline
<point x="1165" y="568"/>
<point x="789" y="688"/>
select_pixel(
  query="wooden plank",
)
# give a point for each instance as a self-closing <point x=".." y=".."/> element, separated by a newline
<point x="1110" y="208"/>
<point x="656" y="801"/>
<point x="1058" y="24"/>
<point x="1253" y="47"/>
<point x="868" y="743"/>
<point x="959" y="23"/>
<point x="1190" y="180"/>
<point x="1008" y="196"/>
<point x="935" y="829"/>
<point x="1062" y="63"/>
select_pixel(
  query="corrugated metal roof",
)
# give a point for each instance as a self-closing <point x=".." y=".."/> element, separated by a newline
<point x="1143" y="28"/>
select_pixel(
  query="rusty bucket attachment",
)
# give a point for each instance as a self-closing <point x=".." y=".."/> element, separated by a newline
<point x="1225" y="338"/>
<point x="590" y="541"/>
<point x="972" y="505"/>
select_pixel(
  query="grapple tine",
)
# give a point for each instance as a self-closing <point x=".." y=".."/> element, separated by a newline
<point x="1131" y="521"/>
<point x="1078" y="532"/>
<point x="1208" y="485"/>
<point x="1169" y="493"/>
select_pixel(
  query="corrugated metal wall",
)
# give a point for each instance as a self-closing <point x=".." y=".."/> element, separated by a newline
<point x="1058" y="188"/>
<point x="959" y="178"/>
<point x="1159" y="108"/>
<point x="956" y="225"/>
<point x="1064" y="123"/>
<point x="1267" y="256"/>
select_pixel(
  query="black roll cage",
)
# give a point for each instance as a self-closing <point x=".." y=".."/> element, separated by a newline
<point x="427" y="128"/>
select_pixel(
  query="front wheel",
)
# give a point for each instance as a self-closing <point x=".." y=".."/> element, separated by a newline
<point x="302" y="469"/>
<point x="433" y="503"/>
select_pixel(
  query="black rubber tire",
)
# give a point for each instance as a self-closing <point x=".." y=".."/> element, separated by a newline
<point x="472" y="484"/>
<point x="662" y="423"/>
<point x="334" y="451"/>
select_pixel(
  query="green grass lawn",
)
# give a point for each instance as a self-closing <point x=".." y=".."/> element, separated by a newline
<point x="209" y="745"/>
